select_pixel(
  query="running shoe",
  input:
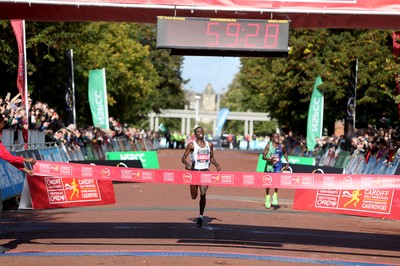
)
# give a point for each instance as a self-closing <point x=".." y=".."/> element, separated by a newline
<point x="268" y="201"/>
<point x="275" y="199"/>
<point x="199" y="221"/>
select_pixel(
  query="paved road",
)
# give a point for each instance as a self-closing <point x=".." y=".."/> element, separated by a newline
<point x="153" y="224"/>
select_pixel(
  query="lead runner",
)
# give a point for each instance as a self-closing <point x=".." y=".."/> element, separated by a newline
<point x="201" y="155"/>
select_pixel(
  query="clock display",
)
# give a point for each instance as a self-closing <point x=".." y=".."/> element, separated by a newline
<point x="217" y="36"/>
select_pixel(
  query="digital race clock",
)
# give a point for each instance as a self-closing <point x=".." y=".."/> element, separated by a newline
<point x="223" y="37"/>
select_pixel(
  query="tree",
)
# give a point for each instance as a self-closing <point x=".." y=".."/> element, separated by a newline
<point x="283" y="87"/>
<point x="139" y="77"/>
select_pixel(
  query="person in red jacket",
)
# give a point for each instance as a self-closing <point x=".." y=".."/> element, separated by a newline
<point x="17" y="161"/>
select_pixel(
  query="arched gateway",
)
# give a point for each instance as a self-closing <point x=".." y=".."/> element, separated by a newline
<point x="188" y="117"/>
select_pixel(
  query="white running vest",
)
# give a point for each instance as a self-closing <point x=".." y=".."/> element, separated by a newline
<point x="200" y="157"/>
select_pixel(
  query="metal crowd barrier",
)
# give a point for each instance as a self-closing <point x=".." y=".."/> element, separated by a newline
<point x="12" y="180"/>
<point x="356" y="164"/>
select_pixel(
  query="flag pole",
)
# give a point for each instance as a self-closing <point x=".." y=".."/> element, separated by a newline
<point x="73" y="87"/>
<point x="25" y="96"/>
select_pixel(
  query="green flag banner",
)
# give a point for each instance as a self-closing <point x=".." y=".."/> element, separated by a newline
<point x="315" y="115"/>
<point x="98" y="98"/>
<point x="149" y="159"/>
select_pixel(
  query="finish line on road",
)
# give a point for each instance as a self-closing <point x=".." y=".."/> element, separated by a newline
<point x="96" y="253"/>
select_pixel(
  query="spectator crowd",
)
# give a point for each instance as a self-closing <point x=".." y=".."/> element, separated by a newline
<point x="378" y="142"/>
<point x="44" y="118"/>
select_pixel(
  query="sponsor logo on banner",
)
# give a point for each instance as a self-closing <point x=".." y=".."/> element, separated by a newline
<point x="53" y="183"/>
<point x="187" y="177"/>
<point x="133" y="156"/>
<point x="373" y="182"/>
<point x="105" y="173"/>
<point x="388" y="182"/>
<point x="328" y="181"/>
<point x="55" y="169"/>
<point x="147" y="176"/>
<point x="369" y="200"/>
<point x="168" y="177"/>
<point x="227" y="179"/>
<point x="137" y="175"/>
<point x="307" y="180"/>
<point x="289" y="180"/>
<point x="331" y="192"/>
<point x="347" y="181"/>
<point x="57" y="197"/>
<point x="87" y="171"/>
<point x="126" y="174"/>
<point x="326" y="201"/>
<point x="248" y="180"/>
<point x="327" y="198"/>
<point x="65" y="170"/>
<point x="267" y="179"/>
<point x="206" y="178"/>
<point x="44" y="168"/>
<point x="217" y="178"/>
<point x="63" y="190"/>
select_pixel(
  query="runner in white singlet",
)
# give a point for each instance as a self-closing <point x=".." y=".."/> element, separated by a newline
<point x="201" y="155"/>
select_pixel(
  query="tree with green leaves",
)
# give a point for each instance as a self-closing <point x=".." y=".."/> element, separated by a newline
<point x="139" y="77"/>
<point x="283" y="86"/>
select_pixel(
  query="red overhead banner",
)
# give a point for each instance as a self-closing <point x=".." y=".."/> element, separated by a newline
<point x="238" y="179"/>
<point x="302" y="14"/>
<point x="368" y="6"/>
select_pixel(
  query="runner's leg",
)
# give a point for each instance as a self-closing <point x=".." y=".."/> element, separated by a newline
<point x="193" y="191"/>
<point x="202" y="203"/>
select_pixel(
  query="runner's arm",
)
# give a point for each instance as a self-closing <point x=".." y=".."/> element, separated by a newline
<point x="188" y="150"/>
<point x="265" y="153"/>
<point x="212" y="159"/>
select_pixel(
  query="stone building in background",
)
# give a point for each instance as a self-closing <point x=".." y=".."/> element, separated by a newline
<point x="208" y="99"/>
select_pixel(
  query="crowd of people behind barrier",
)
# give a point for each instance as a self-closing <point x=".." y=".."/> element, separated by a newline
<point x="371" y="150"/>
<point x="93" y="142"/>
<point x="43" y="125"/>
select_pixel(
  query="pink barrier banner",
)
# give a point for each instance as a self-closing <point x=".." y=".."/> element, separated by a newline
<point x="233" y="179"/>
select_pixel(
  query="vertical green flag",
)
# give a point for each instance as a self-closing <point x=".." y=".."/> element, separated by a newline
<point x="98" y="98"/>
<point x="315" y="115"/>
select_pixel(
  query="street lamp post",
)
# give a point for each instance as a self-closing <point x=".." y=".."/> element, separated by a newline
<point x="222" y="90"/>
<point x="196" y="120"/>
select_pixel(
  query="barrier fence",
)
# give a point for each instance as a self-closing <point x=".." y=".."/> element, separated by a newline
<point x="11" y="179"/>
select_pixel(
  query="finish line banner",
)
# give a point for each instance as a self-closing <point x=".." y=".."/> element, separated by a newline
<point x="233" y="179"/>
